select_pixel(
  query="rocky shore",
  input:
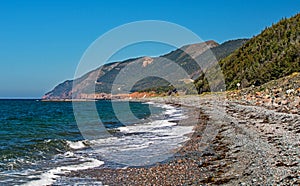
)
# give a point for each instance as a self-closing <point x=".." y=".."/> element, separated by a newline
<point x="282" y="95"/>
<point x="233" y="144"/>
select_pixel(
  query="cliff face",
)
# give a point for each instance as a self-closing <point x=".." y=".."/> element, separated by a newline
<point x="98" y="83"/>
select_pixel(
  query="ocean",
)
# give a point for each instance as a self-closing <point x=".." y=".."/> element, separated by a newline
<point x="41" y="141"/>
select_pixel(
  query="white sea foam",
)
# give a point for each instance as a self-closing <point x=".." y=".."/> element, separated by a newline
<point x="49" y="177"/>
<point x="145" y="143"/>
<point x="149" y="103"/>
<point x="69" y="154"/>
<point x="76" y="144"/>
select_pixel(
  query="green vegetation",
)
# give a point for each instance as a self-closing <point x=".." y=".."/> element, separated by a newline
<point x="149" y="84"/>
<point x="273" y="54"/>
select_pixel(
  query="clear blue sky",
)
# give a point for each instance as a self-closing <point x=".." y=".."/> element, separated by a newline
<point x="41" y="42"/>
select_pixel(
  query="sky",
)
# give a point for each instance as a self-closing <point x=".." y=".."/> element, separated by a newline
<point x="42" y="42"/>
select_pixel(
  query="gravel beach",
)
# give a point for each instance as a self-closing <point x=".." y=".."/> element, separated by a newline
<point x="232" y="144"/>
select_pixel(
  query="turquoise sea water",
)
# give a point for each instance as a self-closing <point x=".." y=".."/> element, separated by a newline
<point x="41" y="140"/>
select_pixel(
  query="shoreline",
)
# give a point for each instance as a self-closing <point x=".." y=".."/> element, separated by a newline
<point x="242" y="150"/>
<point x="110" y="176"/>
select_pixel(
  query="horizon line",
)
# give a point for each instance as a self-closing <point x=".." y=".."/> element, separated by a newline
<point x="20" y="98"/>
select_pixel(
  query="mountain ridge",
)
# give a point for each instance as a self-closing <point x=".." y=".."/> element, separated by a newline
<point x="101" y="78"/>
